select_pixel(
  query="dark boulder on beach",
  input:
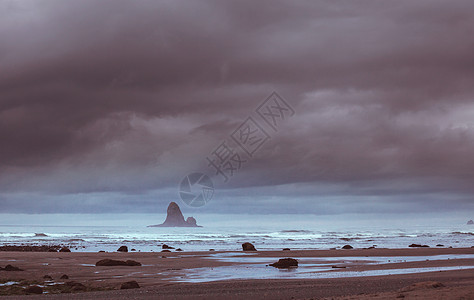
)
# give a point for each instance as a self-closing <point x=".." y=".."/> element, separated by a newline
<point x="175" y="218"/>
<point x="34" y="290"/>
<point x="64" y="249"/>
<point x="418" y="246"/>
<point x="130" y="285"/>
<point x="25" y="248"/>
<point x="10" y="268"/>
<point x="64" y="277"/>
<point x="47" y="277"/>
<point x="347" y="247"/>
<point x="286" y="249"/>
<point x="470" y="222"/>
<point x="248" y="247"/>
<point x="166" y="247"/>
<point x="123" y="249"/>
<point x="112" y="262"/>
<point x="165" y="250"/>
<point x="285" y="263"/>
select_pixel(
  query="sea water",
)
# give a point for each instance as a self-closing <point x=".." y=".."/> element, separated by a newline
<point x="95" y="232"/>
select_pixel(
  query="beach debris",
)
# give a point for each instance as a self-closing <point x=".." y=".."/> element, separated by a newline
<point x="40" y="235"/>
<point x="10" y="268"/>
<point x="418" y="246"/>
<point x="112" y="262"/>
<point x="34" y="289"/>
<point x="130" y="285"/>
<point x="347" y="247"/>
<point x="123" y="249"/>
<point x="166" y="247"/>
<point x="422" y="286"/>
<point x="286" y="249"/>
<point x="47" y="277"/>
<point x="285" y="263"/>
<point x="175" y="218"/>
<point x="470" y="222"/>
<point x="248" y="247"/>
<point x="65" y="249"/>
<point x="64" y="277"/>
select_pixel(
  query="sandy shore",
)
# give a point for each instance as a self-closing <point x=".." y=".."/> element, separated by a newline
<point x="183" y="275"/>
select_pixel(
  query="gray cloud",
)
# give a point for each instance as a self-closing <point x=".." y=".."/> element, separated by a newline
<point x="114" y="100"/>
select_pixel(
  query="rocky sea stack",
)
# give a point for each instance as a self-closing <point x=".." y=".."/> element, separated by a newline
<point x="174" y="218"/>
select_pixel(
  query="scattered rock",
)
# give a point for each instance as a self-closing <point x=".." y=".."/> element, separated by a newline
<point x="34" y="290"/>
<point x="418" y="246"/>
<point x="179" y="249"/>
<point x="212" y="250"/>
<point x="64" y="277"/>
<point x="112" y="262"/>
<point x="10" y="268"/>
<point x="123" y="249"/>
<point x="101" y="251"/>
<point x="166" y="250"/>
<point x="64" y="249"/>
<point x="130" y="285"/>
<point x="347" y="247"/>
<point x="175" y="218"/>
<point x="133" y="249"/>
<point x="440" y="245"/>
<point x="470" y="222"/>
<point x="248" y="247"/>
<point x="47" y="277"/>
<point x="286" y="249"/>
<point x="422" y="286"/>
<point x="40" y="235"/>
<point x="76" y="286"/>
<point x="285" y="263"/>
<point x="166" y="247"/>
<point x="23" y="248"/>
<point x="338" y="267"/>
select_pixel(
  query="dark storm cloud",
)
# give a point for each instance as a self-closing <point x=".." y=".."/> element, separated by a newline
<point x="114" y="97"/>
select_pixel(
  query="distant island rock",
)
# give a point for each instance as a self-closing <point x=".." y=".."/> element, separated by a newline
<point x="470" y="222"/>
<point x="174" y="218"/>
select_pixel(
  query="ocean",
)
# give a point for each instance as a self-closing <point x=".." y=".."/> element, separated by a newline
<point x="95" y="232"/>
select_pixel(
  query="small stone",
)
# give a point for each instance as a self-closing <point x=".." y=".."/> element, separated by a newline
<point x="34" y="290"/>
<point x="347" y="247"/>
<point x="64" y="277"/>
<point x="130" y="285"/>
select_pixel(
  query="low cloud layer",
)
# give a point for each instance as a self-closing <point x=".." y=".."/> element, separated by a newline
<point x="106" y="105"/>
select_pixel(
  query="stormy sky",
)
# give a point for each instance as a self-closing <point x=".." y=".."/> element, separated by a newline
<point x="106" y="105"/>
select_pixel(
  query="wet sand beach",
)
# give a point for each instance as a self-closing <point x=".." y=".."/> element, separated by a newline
<point x="237" y="275"/>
